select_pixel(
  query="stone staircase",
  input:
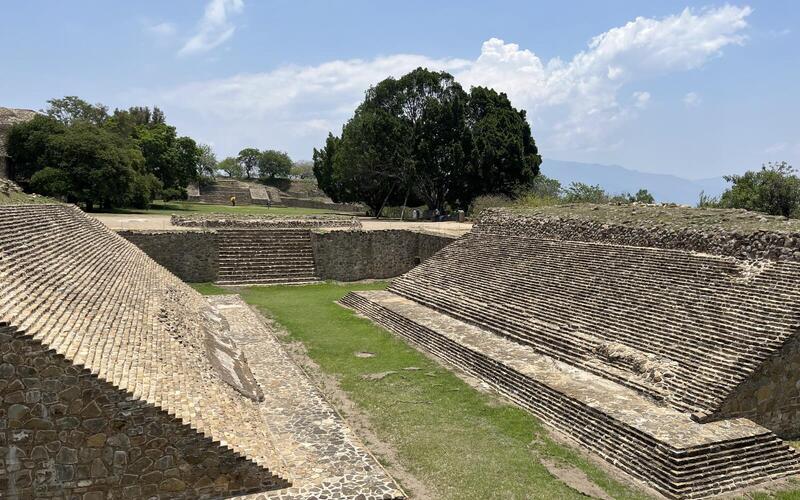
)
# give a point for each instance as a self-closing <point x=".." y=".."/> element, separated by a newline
<point x="659" y="445"/>
<point x="265" y="256"/>
<point x="700" y="323"/>
<point x="633" y="352"/>
<point x="221" y="191"/>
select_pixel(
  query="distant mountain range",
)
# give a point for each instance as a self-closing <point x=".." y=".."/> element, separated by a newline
<point x="615" y="179"/>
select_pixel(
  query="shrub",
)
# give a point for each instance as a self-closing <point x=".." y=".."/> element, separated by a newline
<point x="489" y="201"/>
<point x="174" y="194"/>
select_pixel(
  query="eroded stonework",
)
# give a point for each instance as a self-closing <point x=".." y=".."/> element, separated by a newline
<point x="264" y="221"/>
<point x="646" y="354"/>
<point x="321" y="455"/>
<point x="117" y="380"/>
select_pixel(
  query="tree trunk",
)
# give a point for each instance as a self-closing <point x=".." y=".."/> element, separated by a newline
<point x="385" y="200"/>
<point x="405" y="200"/>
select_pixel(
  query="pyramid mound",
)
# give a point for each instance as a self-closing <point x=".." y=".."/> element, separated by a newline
<point x="646" y="353"/>
<point x="117" y="378"/>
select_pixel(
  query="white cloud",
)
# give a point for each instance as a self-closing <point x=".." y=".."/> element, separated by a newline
<point x="215" y="27"/>
<point x="641" y="99"/>
<point x="163" y="30"/>
<point x="573" y="104"/>
<point x="692" y="100"/>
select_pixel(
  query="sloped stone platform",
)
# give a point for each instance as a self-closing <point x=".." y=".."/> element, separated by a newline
<point x="117" y="380"/>
<point x="686" y="328"/>
<point x="652" y="442"/>
<point x="320" y="454"/>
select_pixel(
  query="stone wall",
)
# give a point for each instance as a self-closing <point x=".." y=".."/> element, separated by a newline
<point x="67" y="434"/>
<point x="358" y="255"/>
<point x="771" y="396"/>
<point x="264" y="221"/>
<point x="744" y="244"/>
<point x="193" y="256"/>
<point x="342" y="255"/>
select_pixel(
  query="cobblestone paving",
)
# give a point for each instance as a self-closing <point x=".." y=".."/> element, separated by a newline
<point x="321" y="456"/>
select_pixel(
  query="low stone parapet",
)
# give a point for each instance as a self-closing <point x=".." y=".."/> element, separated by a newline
<point x="264" y="220"/>
<point x="734" y="233"/>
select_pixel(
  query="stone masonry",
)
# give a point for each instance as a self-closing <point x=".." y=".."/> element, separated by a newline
<point x="193" y="256"/>
<point x="358" y="255"/>
<point x="647" y="356"/>
<point x="119" y="381"/>
<point x="265" y="221"/>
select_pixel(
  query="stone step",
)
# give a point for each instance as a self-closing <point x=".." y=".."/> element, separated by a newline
<point x="567" y="298"/>
<point x="678" y="457"/>
<point x="274" y="271"/>
<point x="302" y="280"/>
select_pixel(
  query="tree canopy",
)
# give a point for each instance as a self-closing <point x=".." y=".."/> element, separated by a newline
<point x="231" y="167"/>
<point x="273" y="164"/>
<point x="248" y="159"/>
<point x="423" y="137"/>
<point x="774" y="190"/>
<point x="79" y="152"/>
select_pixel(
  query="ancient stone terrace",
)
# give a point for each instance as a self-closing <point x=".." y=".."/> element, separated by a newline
<point x="265" y="221"/>
<point x="263" y="249"/>
<point x="118" y="379"/>
<point x="644" y="354"/>
<point x="221" y="191"/>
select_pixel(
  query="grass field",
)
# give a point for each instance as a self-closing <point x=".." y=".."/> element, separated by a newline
<point x="166" y="208"/>
<point x="459" y="442"/>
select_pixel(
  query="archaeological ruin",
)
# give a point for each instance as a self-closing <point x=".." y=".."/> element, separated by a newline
<point x="663" y="340"/>
<point x="263" y="250"/>
<point x="253" y="193"/>
<point x="117" y="380"/>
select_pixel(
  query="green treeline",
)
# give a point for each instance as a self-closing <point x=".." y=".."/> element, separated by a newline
<point x="82" y="153"/>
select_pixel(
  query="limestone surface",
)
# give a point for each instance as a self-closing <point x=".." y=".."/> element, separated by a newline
<point x="117" y="380"/>
<point x="645" y="352"/>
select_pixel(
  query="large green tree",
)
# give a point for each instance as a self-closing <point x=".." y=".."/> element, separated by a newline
<point x="272" y="163"/>
<point x="372" y="160"/>
<point x="87" y="164"/>
<point x="77" y="151"/>
<point x="231" y="167"/>
<point x="248" y="159"/>
<point x="207" y="162"/>
<point x="72" y="109"/>
<point x="172" y="159"/>
<point x="28" y="145"/>
<point x="323" y="167"/>
<point x="504" y="156"/>
<point x="438" y="144"/>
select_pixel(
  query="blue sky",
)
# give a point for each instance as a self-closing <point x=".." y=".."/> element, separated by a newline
<point x="693" y="89"/>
